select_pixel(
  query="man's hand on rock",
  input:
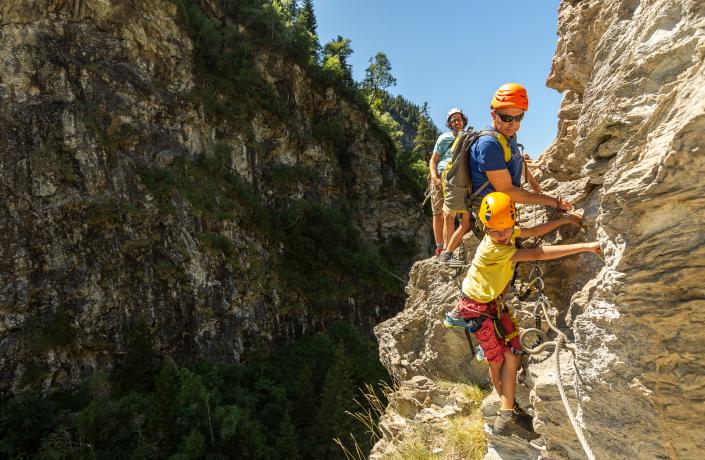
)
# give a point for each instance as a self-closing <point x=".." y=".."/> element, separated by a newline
<point x="563" y="205"/>
<point x="575" y="217"/>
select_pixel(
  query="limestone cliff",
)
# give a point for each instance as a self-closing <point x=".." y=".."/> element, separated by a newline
<point x="629" y="151"/>
<point x="125" y="199"/>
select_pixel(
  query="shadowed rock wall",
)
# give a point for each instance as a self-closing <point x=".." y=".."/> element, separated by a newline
<point x="96" y="106"/>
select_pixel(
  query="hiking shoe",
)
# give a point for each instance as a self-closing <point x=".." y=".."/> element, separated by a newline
<point x="455" y="261"/>
<point x="454" y="319"/>
<point x="507" y="424"/>
<point x="523" y="419"/>
<point x="437" y="252"/>
<point x="452" y="259"/>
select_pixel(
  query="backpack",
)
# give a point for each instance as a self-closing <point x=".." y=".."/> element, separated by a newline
<point x="457" y="184"/>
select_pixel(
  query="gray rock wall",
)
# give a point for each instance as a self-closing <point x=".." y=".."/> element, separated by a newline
<point x="633" y="115"/>
<point x="629" y="152"/>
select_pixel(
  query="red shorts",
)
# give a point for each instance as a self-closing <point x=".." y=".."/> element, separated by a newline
<point x="493" y="346"/>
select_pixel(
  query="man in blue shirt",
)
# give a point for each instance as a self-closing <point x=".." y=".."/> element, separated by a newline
<point x="487" y="154"/>
<point x="487" y="162"/>
<point x="490" y="171"/>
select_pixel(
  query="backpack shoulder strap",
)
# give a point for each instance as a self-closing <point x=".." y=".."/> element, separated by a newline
<point x="502" y="142"/>
<point x="458" y="138"/>
<point x="505" y="148"/>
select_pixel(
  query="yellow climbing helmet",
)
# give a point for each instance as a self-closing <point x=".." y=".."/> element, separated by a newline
<point x="497" y="211"/>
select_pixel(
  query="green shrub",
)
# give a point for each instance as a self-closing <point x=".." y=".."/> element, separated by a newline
<point x="49" y="330"/>
<point x="217" y="243"/>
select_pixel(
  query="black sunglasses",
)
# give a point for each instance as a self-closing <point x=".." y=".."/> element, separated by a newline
<point x="508" y="118"/>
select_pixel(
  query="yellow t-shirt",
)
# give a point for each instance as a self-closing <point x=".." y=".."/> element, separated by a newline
<point x="491" y="270"/>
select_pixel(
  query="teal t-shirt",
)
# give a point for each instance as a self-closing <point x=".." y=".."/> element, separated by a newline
<point x="443" y="148"/>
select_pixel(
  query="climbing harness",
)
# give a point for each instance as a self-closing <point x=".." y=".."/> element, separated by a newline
<point x="499" y="329"/>
<point x="560" y="342"/>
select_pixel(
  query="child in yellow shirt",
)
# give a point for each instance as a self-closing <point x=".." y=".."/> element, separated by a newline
<point x="490" y="273"/>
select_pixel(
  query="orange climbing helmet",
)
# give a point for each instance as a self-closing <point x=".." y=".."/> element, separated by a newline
<point x="497" y="211"/>
<point x="510" y="95"/>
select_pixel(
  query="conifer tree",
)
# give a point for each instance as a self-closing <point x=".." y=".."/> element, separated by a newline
<point x="306" y="36"/>
<point x="337" y="397"/>
<point x="162" y="421"/>
<point x="308" y="17"/>
<point x="425" y="135"/>
<point x="378" y="76"/>
<point x="286" y="443"/>
<point x="304" y="397"/>
<point x="335" y="59"/>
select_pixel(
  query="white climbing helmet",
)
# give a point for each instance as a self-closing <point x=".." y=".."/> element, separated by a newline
<point x="455" y="110"/>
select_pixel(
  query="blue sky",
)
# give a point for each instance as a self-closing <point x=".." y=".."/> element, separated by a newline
<point x="456" y="53"/>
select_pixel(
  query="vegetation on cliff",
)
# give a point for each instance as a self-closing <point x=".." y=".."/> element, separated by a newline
<point x="320" y="247"/>
<point x="288" y="405"/>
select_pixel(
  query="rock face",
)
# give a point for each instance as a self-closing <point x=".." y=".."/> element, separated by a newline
<point x="418" y="402"/>
<point x="96" y="109"/>
<point x="415" y="342"/>
<point x="629" y="151"/>
<point x="634" y="111"/>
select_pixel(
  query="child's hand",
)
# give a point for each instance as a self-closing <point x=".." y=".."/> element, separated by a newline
<point x="594" y="247"/>
<point x="575" y="217"/>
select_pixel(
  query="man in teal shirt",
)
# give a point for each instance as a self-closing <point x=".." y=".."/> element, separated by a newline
<point x="443" y="222"/>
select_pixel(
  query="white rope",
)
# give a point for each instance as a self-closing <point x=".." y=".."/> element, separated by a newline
<point x="560" y="342"/>
<point x="578" y="430"/>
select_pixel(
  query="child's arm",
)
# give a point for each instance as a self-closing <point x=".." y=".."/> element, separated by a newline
<point x="574" y="218"/>
<point x="555" y="252"/>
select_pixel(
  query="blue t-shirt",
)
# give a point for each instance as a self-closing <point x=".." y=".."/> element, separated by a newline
<point x="443" y="148"/>
<point x="486" y="154"/>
